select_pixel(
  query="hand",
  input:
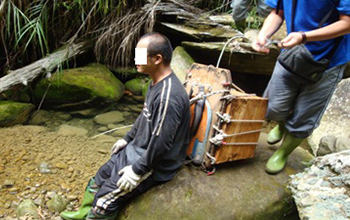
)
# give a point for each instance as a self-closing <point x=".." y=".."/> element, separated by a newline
<point x="120" y="144"/>
<point x="293" y="39"/>
<point x="129" y="180"/>
<point x="259" y="45"/>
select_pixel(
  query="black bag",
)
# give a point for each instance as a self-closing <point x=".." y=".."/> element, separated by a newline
<point x="299" y="60"/>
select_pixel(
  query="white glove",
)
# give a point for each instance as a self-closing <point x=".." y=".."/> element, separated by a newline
<point x="129" y="180"/>
<point x="120" y="144"/>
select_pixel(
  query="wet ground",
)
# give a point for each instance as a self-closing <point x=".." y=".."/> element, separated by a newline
<point x="40" y="161"/>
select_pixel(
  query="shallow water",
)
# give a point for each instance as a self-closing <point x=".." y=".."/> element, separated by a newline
<point x="39" y="161"/>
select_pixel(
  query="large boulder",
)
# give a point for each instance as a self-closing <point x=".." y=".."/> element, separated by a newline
<point x="238" y="190"/>
<point x="322" y="192"/>
<point x="181" y="63"/>
<point x="12" y="113"/>
<point x="335" y="122"/>
<point x="84" y="87"/>
<point x="136" y="86"/>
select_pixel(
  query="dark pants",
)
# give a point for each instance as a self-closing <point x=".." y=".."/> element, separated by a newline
<point x="109" y="199"/>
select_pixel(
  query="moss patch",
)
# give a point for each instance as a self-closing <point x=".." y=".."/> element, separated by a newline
<point x="12" y="113"/>
<point x="89" y="83"/>
<point x="136" y="86"/>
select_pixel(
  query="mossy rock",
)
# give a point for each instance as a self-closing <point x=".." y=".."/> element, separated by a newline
<point x="27" y="208"/>
<point x="239" y="190"/>
<point x="93" y="85"/>
<point x="136" y="86"/>
<point x="12" y="113"/>
<point x="145" y="89"/>
<point x="181" y="63"/>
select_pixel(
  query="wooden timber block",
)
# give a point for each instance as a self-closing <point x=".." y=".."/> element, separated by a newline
<point x="248" y="113"/>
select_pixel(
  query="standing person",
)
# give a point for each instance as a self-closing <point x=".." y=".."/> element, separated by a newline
<point x="240" y="11"/>
<point x="155" y="147"/>
<point x="295" y="103"/>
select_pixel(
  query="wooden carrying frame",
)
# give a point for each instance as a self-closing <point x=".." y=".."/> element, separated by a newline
<point x="236" y="117"/>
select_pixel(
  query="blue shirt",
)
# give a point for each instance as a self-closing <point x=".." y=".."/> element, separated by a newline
<point x="308" y="14"/>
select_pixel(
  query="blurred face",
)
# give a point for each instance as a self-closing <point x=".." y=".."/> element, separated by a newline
<point x="145" y="63"/>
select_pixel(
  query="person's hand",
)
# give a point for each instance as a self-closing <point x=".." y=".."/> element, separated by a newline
<point x="259" y="44"/>
<point x="293" y="39"/>
<point x="120" y="144"/>
<point x="129" y="179"/>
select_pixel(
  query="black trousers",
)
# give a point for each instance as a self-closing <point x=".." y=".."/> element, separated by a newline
<point x="109" y="199"/>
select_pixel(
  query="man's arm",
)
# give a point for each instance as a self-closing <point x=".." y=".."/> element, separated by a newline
<point x="272" y="23"/>
<point x="331" y="31"/>
<point x="132" y="132"/>
<point x="162" y="139"/>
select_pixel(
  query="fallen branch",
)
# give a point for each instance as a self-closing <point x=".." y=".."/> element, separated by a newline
<point x="43" y="66"/>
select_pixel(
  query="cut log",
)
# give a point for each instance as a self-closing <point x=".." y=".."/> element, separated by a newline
<point x="45" y="65"/>
<point x="239" y="57"/>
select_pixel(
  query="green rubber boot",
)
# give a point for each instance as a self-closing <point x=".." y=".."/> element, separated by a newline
<point x="86" y="205"/>
<point x="241" y="25"/>
<point x="94" y="216"/>
<point x="278" y="160"/>
<point x="276" y="134"/>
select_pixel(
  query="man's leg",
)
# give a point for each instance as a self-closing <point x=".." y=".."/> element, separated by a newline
<point x="107" y="206"/>
<point x="282" y="92"/>
<point x="312" y="103"/>
<point x="263" y="9"/>
<point x="307" y="112"/>
<point x="240" y="13"/>
<point x="110" y="198"/>
<point x="103" y="174"/>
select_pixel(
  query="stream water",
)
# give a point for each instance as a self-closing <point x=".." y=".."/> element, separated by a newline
<point x="56" y="157"/>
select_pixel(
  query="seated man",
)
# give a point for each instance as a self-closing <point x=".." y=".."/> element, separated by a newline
<point x="155" y="147"/>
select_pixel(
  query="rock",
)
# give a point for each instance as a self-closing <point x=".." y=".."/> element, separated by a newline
<point x="50" y="194"/>
<point x="112" y="126"/>
<point x="106" y="139"/>
<point x="72" y="197"/>
<point x="91" y="112"/>
<point x="181" y="63"/>
<point x="7" y="205"/>
<point x="322" y="191"/>
<point x="327" y="145"/>
<point x="39" y="201"/>
<point x="27" y="207"/>
<point x="12" y="113"/>
<point x="44" y="168"/>
<point x="80" y="88"/>
<point x="341" y="144"/>
<point x="234" y="57"/>
<point x="61" y="165"/>
<point x="34" y="129"/>
<point x="225" y="19"/>
<point x="9" y="183"/>
<point x="126" y="74"/>
<point x="200" y="31"/>
<point x="139" y="98"/>
<point x="102" y="129"/>
<point x="57" y="204"/>
<point x="121" y="132"/>
<point x="68" y="130"/>
<point x="144" y="91"/>
<point x="39" y="117"/>
<point x="135" y="86"/>
<point x="109" y="118"/>
<point x="238" y="190"/>
<point x="103" y="151"/>
<point x="64" y="116"/>
<point x="336" y="118"/>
